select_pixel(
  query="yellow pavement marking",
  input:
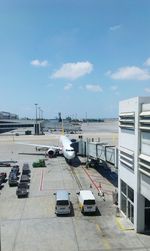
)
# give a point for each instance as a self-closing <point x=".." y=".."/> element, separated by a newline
<point x="121" y="226"/>
<point x="98" y="228"/>
<point x="106" y="243"/>
<point x="104" y="239"/>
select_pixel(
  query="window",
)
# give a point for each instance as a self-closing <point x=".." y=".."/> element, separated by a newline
<point x="89" y="202"/>
<point x="127" y="201"/>
<point x="123" y="203"/>
<point x="147" y="203"/>
<point x="130" y="194"/>
<point x="123" y="187"/>
<point x="62" y="203"/>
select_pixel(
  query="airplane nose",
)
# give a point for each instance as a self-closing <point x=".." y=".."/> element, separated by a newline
<point x="71" y="155"/>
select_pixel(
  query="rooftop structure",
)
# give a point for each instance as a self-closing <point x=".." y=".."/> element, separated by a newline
<point x="8" y="115"/>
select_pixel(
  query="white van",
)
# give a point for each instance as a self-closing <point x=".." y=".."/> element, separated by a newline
<point x="63" y="205"/>
<point x="87" y="201"/>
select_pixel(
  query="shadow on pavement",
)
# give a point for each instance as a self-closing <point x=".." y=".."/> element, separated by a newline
<point x="106" y="172"/>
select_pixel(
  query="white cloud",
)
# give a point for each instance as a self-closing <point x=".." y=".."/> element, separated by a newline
<point x="130" y="72"/>
<point x="73" y="70"/>
<point x="94" y="88"/>
<point x="67" y="87"/>
<point x="39" y="63"/>
<point x="147" y="89"/>
<point x="147" y="62"/>
<point x="115" y="27"/>
<point x="114" y="87"/>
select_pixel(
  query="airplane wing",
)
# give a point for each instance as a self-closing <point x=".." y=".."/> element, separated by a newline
<point x="44" y="146"/>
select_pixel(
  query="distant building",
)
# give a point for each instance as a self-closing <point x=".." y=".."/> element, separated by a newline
<point x="8" y="115"/>
<point x="134" y="161"/>
<point x="55" y="125"/>
<point x="8" y="125"/>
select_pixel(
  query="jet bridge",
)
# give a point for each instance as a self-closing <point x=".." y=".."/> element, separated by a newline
<point x="100" y="152"/>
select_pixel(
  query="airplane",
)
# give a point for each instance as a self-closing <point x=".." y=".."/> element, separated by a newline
<point x="65" y="147"/>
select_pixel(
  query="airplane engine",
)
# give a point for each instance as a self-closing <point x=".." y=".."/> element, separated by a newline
<point x="51" y="153"/>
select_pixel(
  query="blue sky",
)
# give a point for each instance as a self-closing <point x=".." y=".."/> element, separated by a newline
<point x="73" y="57"/>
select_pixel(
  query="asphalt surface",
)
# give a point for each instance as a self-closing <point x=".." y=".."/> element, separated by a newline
<point x="31" y="224"/>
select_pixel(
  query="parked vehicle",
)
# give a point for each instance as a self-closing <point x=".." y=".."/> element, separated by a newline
<point x="26" y="169"/>
<point x="22" y="190"/>
<point x="5" y="164"/>
<point x="63" y="205"/>
<point x="3" y="176"/>
<point x="1" y="182"/>
<point x="24" y="178"/>
<point x="87" y="201"/>
<point x="13" y="179"/>
<point x="15" y="169"/>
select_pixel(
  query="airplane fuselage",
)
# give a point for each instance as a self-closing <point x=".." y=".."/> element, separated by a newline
<point x="65" y="146"/>
<point x="67" y="149"/>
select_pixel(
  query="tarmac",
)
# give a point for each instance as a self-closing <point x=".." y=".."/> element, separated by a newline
<point x="31" y="223"/>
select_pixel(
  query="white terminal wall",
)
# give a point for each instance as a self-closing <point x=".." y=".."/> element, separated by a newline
<point x="130" y="139"/>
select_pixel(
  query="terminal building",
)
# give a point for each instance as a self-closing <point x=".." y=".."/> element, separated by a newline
<point x="8" y="115"/>
<point x="11" y="123"/>
<point x="134" y="161"/>
<point x="20" y="126"/>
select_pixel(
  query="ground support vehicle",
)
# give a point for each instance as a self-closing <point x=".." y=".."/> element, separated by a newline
<point x="26" y="169"/>
<point x="1" y="182"/>
<point x="13" y="179"/>
<point x="5" y="164"/>
<point x="22" y="190"/>
<point x="24" y="178"/>
<point x="63" y="205"/>
<point x="87" y="201"/>
<point x="15" y="169"/>
<point x="3" y="177"/>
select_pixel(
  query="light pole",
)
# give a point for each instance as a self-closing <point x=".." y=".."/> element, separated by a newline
<point x="36" y="118"/>
<point x="39" y="113"/>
